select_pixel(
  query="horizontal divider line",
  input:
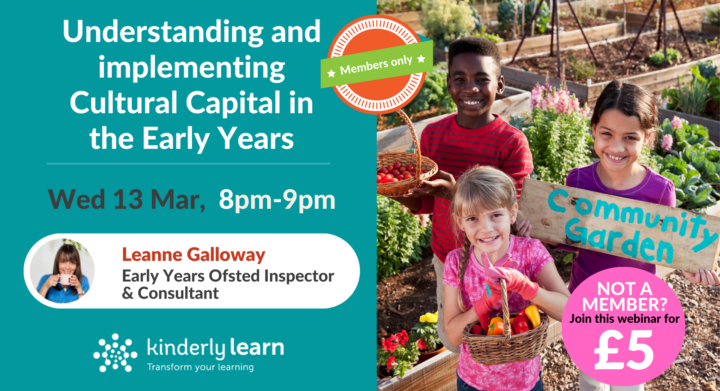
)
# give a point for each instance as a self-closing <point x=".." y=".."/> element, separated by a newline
<point x="188" y="164"/>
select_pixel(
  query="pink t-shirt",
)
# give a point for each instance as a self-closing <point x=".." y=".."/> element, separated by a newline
<point x="517" y="376"/>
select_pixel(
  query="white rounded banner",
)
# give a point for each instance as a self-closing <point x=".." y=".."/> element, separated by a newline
<point x="211" y="271"/>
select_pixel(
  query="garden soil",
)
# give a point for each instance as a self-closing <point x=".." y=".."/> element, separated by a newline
<point x="642" y="8"/>
<point x="403" y="298"/>
<point x="611" y="58"/>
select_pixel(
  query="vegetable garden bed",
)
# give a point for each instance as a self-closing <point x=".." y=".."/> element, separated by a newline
<point x="688" y="11"/>
<point x="512" y="102"/>
<point x="710" y="28"/>
<point x="413" y="18"/>
<point x="712" y="125"/>
<point x="539" y="44"/>
<point x="532" y="70"/>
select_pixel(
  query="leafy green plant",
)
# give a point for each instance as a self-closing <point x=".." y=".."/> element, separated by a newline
<point x="433" y="94"/>
<point x="691" y="190"/>
<point x="447" y="20"/>
<point x="483" y="34"/>
<point x="700" y="96"/>
<point x="693" y="164"/>
<point x="707" y="68"/>
<point x="582" y="69"/>
<point x="557" y="130"/>
<point x="77" y="245"/>
<point x="672" y="55"/>
<point x="506" y="15"/>
<point x="713" y="16"/>
<point x="401" y="238"/>
<point x="426" y="331"/>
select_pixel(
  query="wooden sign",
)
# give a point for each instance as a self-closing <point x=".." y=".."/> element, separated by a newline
<point x="647" y="232"/>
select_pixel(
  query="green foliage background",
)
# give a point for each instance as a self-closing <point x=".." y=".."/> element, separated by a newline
<point x="401" y="238"/>
<point x="558" y="142"/>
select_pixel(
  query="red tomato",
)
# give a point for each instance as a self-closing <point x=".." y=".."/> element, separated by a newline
<point x="395" y="172"/>
<point x="409" y="167"/>
<point x="408" y="176"/>
<point x="390" y="168"/>
<point x="379" y="178"/>
<point x="383" y="171"/>
<point x="405" y="172"/>
<point x="397" y="165"/>
<point x="386" y="180"/>
<point x="394" y="180"/>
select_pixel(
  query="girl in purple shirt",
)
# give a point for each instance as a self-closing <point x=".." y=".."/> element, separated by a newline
<point x="623" y="122"/>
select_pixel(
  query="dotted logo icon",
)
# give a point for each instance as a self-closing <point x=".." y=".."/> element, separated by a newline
<point x="115" y="355"/>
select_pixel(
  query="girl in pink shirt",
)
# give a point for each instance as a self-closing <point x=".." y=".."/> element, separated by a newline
<point x="484" y="207"/>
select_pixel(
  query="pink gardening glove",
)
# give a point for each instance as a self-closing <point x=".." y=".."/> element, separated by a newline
<point x="492" y="300"/>
<point x="514" y="280"/>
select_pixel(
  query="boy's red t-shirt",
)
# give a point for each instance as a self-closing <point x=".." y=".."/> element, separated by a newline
<point x="455" y="150"/>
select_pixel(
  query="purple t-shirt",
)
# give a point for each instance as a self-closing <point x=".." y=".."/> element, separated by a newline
<point x="654" y="188"/>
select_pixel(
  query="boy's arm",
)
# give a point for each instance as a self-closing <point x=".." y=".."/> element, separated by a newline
<point x="518" y="161"/>
<point x="414" y="204"/>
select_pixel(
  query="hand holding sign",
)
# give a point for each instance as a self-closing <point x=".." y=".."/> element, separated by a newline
<point x="704" y="277"/>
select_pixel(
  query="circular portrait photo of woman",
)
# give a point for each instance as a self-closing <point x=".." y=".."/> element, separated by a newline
<point x="62" y="270"/>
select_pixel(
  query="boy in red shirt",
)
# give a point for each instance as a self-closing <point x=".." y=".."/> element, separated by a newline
<point x="473" y="136"/>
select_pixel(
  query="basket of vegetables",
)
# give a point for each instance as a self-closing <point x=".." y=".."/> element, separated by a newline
<point x="513" y="337"/>
<point x="398" y="172"/>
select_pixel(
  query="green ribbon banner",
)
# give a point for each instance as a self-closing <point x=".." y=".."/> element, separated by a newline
<point x="377" y="64"/>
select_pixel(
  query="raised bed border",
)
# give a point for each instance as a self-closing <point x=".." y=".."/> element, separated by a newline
<point x="540" y="44"/>
<point x="712" y="125"/>
<point x="710" y="28"/>
<point x="398" y="139"/>
<point x="653" y="81"/>
<point x="687" y="17"/>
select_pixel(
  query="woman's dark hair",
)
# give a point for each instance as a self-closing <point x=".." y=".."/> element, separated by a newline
<point x="68" y="253"/>
<point x="631" y="100"/>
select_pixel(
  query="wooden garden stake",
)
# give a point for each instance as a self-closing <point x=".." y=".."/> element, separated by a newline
<point x="662" y="29"/>
<point x="642" y="27"/>
<point x="682" y="32"/>
<point x="624" y="18"/>
<point x="554" y="30"/>
<point x="664" y="32"/>
<point x="526" y="32"/>
<point x="522" y="14"/>
<point x="486" y="14"/>
<point x="582" y="32"/>
<point x="557" y="24"/>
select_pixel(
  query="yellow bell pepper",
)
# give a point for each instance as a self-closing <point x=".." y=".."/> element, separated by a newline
<point x="533" y="315"/>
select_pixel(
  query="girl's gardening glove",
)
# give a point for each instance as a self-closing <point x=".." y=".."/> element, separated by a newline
<point x="492" y="298"/>
<point x="514" y="280"/>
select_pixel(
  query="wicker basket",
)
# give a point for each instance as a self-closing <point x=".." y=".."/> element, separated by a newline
<point x="506" y="348"/>
<point x="424" y="164"/>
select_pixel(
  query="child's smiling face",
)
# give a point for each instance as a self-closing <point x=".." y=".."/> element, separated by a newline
<point x="473" y="83"/>
<point x="619" y="140"/>
<point x="489" y="230"/>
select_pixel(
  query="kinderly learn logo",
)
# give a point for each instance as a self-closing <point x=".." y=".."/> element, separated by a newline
<point x="115" y="354"/>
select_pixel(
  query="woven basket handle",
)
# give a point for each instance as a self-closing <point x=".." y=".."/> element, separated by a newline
<point x="416" y="143"/>
<point x="506" y="312"/>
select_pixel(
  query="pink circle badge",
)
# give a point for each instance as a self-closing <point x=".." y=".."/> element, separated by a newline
<point x="623" y="326"/>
